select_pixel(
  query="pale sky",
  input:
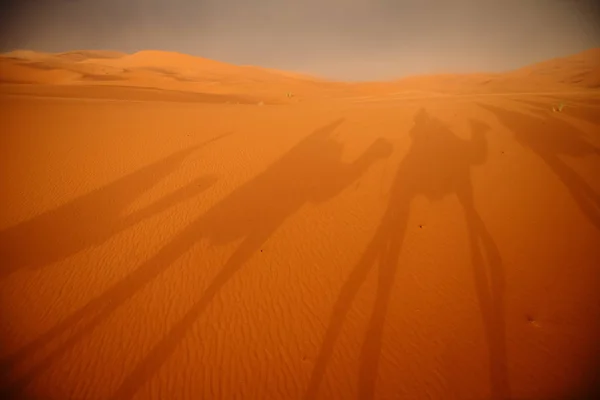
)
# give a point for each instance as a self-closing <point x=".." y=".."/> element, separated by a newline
<point x="339" y="39"/>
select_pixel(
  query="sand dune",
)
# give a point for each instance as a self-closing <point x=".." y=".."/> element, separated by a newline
<point x="159" y="70"/>
<point x="582" y="70"/>
<point x="181" y="72"/>
<point x="82" y="55"/>
<point x="176" y="227"/>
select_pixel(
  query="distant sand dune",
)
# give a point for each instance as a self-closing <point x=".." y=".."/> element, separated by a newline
<point x="82" y="55"/>
<point x="182" y="72"/>
<point x="581" y="70"/>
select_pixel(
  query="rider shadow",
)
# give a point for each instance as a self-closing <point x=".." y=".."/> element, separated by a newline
<point x="94" y="218"/>
<point x="312" y="171"/>
<point x="437" y="164"/>
<point x="551" y="138"/>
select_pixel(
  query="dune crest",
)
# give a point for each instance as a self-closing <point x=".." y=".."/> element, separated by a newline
<point x="185" y="73"/>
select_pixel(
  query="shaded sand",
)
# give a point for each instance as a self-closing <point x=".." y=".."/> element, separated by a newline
<point x="159" y="241"/>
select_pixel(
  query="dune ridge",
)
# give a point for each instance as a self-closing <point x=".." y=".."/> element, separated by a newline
<point x="181" y="72"/>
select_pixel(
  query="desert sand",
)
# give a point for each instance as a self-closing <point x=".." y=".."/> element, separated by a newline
<point x="179" y="228"/>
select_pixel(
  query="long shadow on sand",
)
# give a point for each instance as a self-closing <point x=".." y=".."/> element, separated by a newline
<point x="550" y="138"/>
<point x="438" y="164"/>
<point x="92" y="219"/>
<point x="312" y="171"/>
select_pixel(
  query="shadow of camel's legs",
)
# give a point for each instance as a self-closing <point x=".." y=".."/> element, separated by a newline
<point x="384" y="246"/>
<point x="372" y="346"/>
<point x="339" y="312"/>
<point x="490" y="292"/>
<point x="86" y="319"/>
<point x="587" y="200"/>
<point x="151" y="363"/>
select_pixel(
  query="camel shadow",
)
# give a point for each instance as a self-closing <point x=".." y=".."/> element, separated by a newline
<point x="93" y="218"/>
<point x="312" y="171"/>
<point x="550" y="138"/>
<point x="437" y="164"/>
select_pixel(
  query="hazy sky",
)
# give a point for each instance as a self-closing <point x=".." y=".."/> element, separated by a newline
<point x="345" y="39"/>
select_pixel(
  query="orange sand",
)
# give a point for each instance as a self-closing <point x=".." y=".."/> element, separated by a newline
<point x="179" y="228"/>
